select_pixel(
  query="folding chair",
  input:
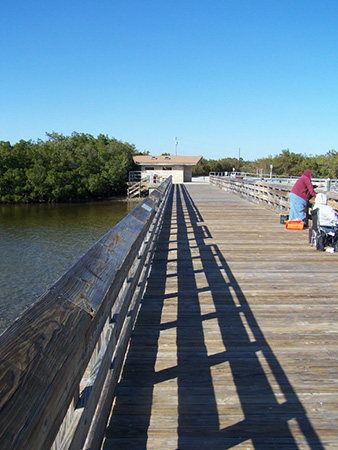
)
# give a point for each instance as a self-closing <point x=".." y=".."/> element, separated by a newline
<point x="322" y="236"/>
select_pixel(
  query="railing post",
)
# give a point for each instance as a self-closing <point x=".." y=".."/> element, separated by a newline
<point x="80" y="324"/>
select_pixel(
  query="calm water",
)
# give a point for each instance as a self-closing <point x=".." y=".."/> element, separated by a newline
<point x="38" y="243"/>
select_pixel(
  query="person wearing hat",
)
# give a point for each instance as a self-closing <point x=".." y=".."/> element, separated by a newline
<point x="299" y="196"/>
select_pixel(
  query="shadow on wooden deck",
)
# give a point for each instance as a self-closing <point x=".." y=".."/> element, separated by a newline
<point x="247" y="353"/>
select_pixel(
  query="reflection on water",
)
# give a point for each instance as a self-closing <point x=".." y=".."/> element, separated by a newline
<point x="38" y="243"/>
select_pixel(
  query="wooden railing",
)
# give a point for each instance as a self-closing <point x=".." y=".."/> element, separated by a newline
<point x="138" y="189"/>
<point x="141" y="187"/>
<point x="61" y="360"/>
<point x="272" y="195"/>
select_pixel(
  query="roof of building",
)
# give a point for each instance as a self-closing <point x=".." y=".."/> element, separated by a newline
<point x="167" y="159"/>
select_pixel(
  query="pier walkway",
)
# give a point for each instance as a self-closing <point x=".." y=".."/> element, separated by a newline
<point x="235" y="345"/>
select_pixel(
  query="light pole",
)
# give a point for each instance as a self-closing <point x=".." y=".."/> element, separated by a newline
<point x="176" y="143"/>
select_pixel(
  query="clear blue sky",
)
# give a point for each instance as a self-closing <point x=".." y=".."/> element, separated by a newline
<point x="259" y="75"/>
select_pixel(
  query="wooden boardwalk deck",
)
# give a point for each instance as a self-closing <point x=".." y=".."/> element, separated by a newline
<point x="235" y="346"/>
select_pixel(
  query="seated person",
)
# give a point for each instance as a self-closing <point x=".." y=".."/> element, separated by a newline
<point x="327" y="216"/>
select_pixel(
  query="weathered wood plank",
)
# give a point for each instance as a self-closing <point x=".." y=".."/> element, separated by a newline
<point x="235" y="345"/>
<point x="274" y="196"/>
<point x="44" y="354"/>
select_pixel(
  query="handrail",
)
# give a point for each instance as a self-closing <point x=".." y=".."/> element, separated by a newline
<point x="137" y="188"/>
<point x="60" y="361"/>
<point x="273" y="196"/>
<point x="325" y="183"/>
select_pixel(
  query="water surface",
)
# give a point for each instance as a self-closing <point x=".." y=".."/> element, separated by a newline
<point x="38" y="243"/>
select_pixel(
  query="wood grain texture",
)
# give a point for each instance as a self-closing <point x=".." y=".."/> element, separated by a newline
<point x="44" y="354"/>
<point x="235" y="345"/>
<point x="272" y="195"/>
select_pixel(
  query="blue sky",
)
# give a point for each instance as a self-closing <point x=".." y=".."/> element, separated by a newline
<point x="220" y="75"/>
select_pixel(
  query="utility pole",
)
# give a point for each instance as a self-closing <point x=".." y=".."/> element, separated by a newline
<point x="176" y="143"/>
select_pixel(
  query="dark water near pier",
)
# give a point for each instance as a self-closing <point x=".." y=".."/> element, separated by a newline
<point x="38" y="243"/>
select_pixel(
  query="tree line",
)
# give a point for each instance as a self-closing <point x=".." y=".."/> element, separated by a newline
<point x="64" y="168"/>
<point x="286" y="164"/>
<point x="80" y="166"/>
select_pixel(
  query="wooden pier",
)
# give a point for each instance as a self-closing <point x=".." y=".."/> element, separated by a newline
<point x="235" y="345"/>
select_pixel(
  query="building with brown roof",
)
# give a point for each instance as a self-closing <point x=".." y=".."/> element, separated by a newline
<point x="180" y="167"/>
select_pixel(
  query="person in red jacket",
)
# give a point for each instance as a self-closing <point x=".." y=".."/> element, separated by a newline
<point x="300" y="194"/>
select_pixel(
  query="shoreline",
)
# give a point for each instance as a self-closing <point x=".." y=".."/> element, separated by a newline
<point x="122" y="198"/>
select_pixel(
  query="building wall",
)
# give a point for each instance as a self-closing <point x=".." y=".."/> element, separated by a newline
<point x="180" y="174"/>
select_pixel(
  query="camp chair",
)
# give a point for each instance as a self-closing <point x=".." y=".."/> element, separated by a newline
<point x="322" y="236"/>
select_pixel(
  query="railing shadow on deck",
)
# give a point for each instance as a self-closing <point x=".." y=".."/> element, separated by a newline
<point x="247" y="353"/>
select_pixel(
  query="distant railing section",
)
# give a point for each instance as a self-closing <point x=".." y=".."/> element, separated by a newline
<point x="137" y="189"/>
<point x="139" y="183"/>
<point x="60" y="361"/>
<point x="255" y="176"/>
<point x="275" y="196"/>
<point x="152" y="178"/>
<point x="327" y="184"/>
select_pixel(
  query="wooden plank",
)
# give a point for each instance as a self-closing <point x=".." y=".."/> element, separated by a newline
<point x="25" y="369"/>
<point x="45" y="352"/>
<point x="235" y="345"/>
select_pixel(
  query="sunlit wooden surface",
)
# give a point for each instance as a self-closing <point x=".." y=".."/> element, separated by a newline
<point x="236" y="341"/>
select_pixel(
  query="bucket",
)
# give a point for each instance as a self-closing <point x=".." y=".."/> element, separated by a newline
<point x="283" y="218"/>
